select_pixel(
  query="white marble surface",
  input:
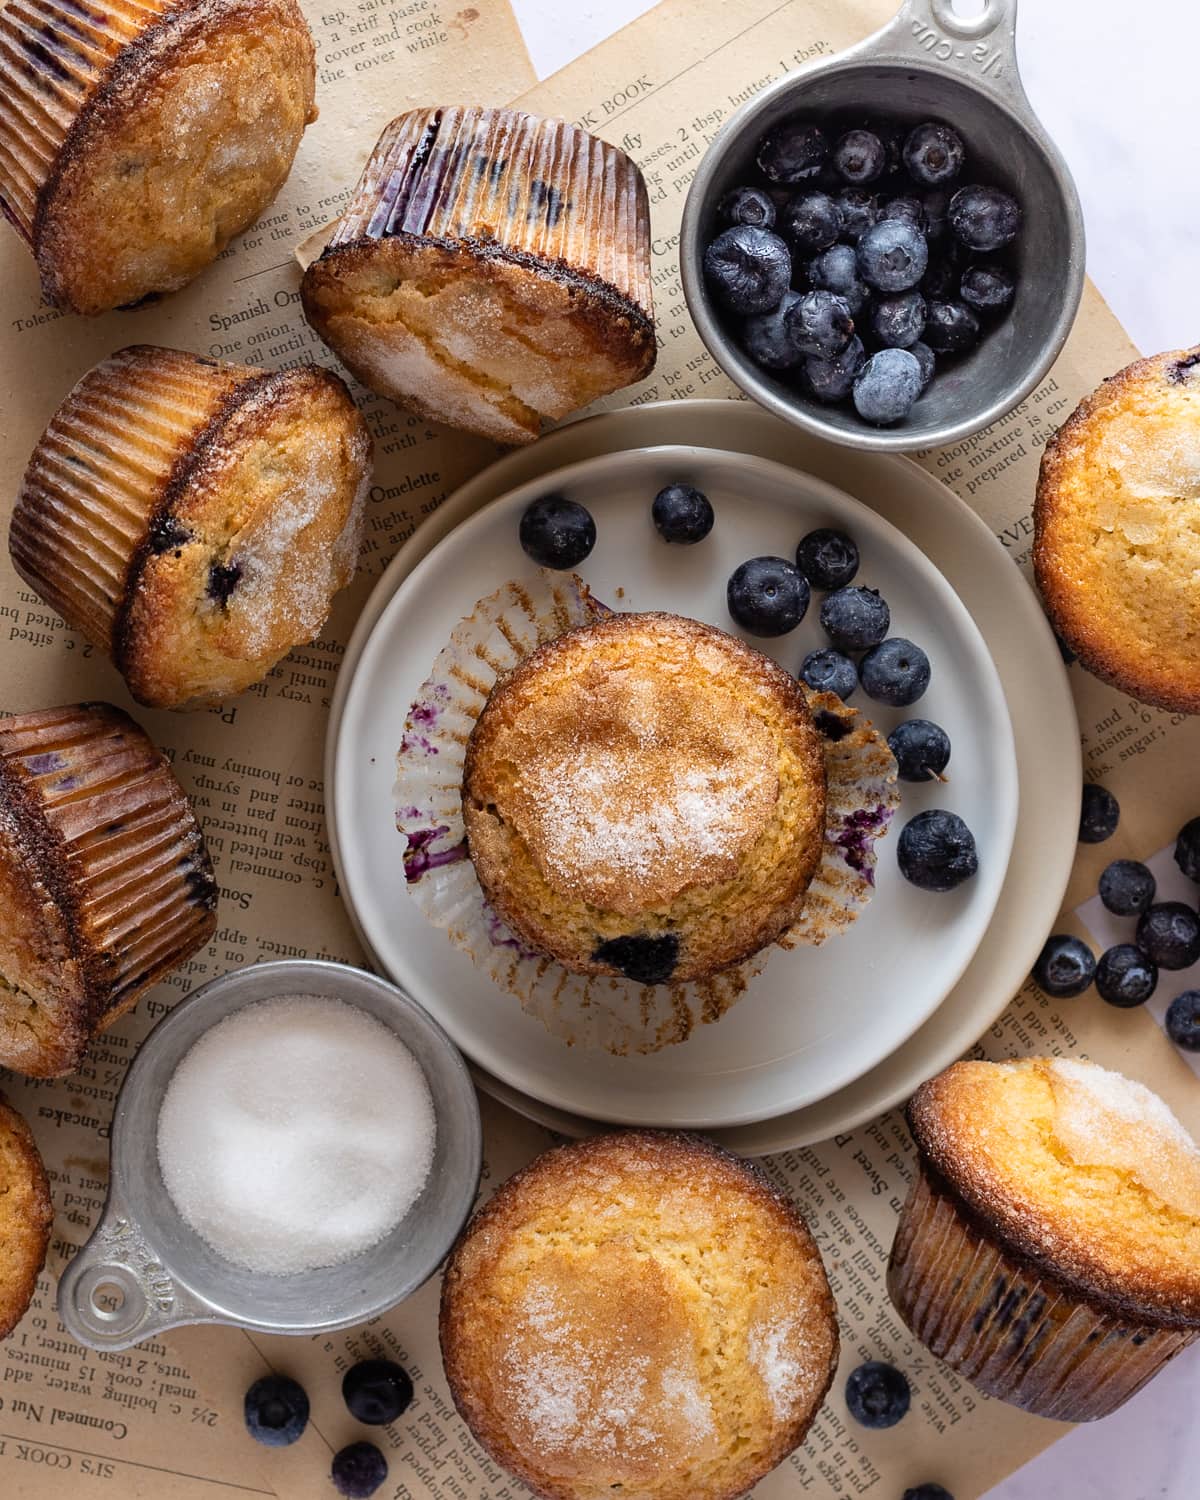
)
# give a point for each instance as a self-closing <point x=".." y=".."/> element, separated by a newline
<point x="1116" y="87"/>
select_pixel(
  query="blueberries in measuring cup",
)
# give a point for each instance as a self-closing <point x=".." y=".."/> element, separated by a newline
<point x="748" y="269"/>
<point x="810" y="221"/>
<point x="886" y="387"/>
<point x="747" y="205"/>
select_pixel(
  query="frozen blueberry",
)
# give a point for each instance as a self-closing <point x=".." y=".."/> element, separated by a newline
<point x="908" y="210"/>
<point x="833" y="379"/>
<point x="950" y="327"/>
<point x="984" y="218"/>
<point x="1187" y="849"/>
<point x="921" y="748"/>
<point x="358" y="1470"/>
<point x="899" y="321"/>
<point x="747" y="205"/>
<point x="827" y="558"/>
<point x="926" y="358"/>
<point x="767" y="595"/>
<point x="859" y="157"/>
<point x="886" y="386"/>
<point x="987" y="288"/>
<point x="810" y="221"/>
<point x="1183" y="1020"/>
<point x="936" y="851"/>
<point x="682" y="513"/>
<point x="767" y="339"/>
<point x="829" y="671"/>
<point x="927" y="1492"/>
<point x="819" y="324"/>
<point x="748" y="269"/>
<point x="895" y="672"/>
<point x="1099" y="814"/>
<point x="892" y="256"/>
<point x="859" y="210"/>
<point x="377" y="1391"/>
<point x="836" y="270"/>
<point x="934" y="154"/>
<point x="793" y="152"/>
<point x="276" y="1410"/>
<point x="556" y="532"/>
<point x="1064" y="967"/>
<point x="1125" y="976"/>
<point x="855" y="618"/>
<point x="877" y="1394"/>
<point x="1127" y="887"/>
<point x="1170" y="934"/>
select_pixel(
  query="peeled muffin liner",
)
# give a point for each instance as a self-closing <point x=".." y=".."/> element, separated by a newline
<point x="1011" y="1330"/>
<point x="117" y="846"/>
<point x="616" y="1015"/>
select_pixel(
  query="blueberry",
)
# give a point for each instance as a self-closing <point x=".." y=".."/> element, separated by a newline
<point x="907" y="210"/>
<point x="1169" y="933"/>
<point x="747" y="205"/>
<point x="859" y="157"/>
<point x="1187" y="849"/>
<point x="642" y="958"/>
<point x="1125" y="976"/>
<point x="855" y="618"/>
<point x="950" y="327"/>
<point x="682" y="514"/>
<point x="276" y="1410"/>
<point x="810" y="221"/>
<point x="899" y="321"/>
<point x="859" y="212"/>
<point x="877" y="1394"/>
<point x="1127" y="887"/>
<point x="1183" y="1020"/>
<point x="942" y="281"/>
<point x="934" y="154"/>
<point x="1064" y="967"/>
<point x="886" y="386"/>
<point x="836" y="270"/>
<point x="927" y="1492"/>
<point x="358" y="1470"/>
<point x="936" y="204"/>
<point x="895" y="672"/>
<point x="891" y="137"/>
<point x="926" y="359"/>
<point x="223" y="578"/>
<point x="767" y="596"/>
<point x="819" y="324"/>
<point x="833" y="379"/>
<point x="987" y="288"/>
<point x="937" y="851"/>
<point x="748" y="269"/>
<point x="377" y="1391"/>
<point x="1099" y="814"/>
<point x="767" y="339"/>
<point x="829" y="671"/>
<point x="827" y="558"/>
<point x="793" y="152"/>
<point x="984" y="218"/>
<point x="921" y="748"/>
<point x="892" y="256"/>
<point x="557" y="533"/>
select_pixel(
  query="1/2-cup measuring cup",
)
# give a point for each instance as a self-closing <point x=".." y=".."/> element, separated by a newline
<point x="145" y="1270"/>
<point x="928" y="63"/>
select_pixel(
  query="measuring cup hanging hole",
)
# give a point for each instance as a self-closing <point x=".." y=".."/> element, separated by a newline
<point x="970" y="19"/>
<point x="109" y="1299"/>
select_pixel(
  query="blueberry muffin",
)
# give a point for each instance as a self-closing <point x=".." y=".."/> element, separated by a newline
<point x="645" y="797"/>
<point x="1049" y="1250"/>
<point x="105" y="881"/>
<point x="492" y="270"/>
<point x="1116" y="552"/>
<point x="638" y="1314"/>
<point x="26" y="1215"/>
<point x="193" y="519"/>
<point x="138" y="136"/>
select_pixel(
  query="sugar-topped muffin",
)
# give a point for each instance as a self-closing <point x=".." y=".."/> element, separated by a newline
<point x="645" y="797"/>
<point x="194" y="519"/>
<point x="638" y="1314"/>
<point x="1116" y="552"/>
<point x="138" y="137"/>
<point x="1050" y="1248"/>
<point x="26" y="1216"/>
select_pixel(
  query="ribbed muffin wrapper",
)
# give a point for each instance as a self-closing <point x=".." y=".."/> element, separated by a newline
<point x="503" y="178"/>
<point x="1012" y="1332"/>
<point x="615" y="1015"/>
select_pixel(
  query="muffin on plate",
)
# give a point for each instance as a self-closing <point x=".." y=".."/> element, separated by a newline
<point x="193" y="519"/>
<point x="26" y="1215"/>
<point x="137" y="137"/>
<point x="1115" y="553"/>
<point x="645" y="797"/>
<point x="105" y="881"/>
<point x="492" y="270"/>
<point x="1049" y="1250"/>
<point x="641" y="1314"/>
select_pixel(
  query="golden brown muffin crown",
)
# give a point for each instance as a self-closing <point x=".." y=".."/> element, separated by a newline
<point x="26" y="1217"/>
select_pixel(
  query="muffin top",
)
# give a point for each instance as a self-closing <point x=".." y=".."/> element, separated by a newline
<point x="1116" y="550"/>
<point x="26" y="1214"/>
<point x="639" y="1312"/>
<point x="1077" y="1169"/>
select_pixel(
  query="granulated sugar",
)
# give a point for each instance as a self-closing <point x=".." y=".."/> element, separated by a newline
<point x="295" y="1134"/>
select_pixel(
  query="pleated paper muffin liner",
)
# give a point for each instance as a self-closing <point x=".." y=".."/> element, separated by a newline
<point x="1013" y="1332"/>
<point x="616" y="1015"/>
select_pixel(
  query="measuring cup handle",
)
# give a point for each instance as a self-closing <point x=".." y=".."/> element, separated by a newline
<point x="982" y="48"/>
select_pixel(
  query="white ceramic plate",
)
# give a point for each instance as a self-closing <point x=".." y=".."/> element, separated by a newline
<point x="815" y="1019"/>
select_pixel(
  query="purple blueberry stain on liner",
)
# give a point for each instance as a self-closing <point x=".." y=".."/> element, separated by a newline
<point x="859" y="831"/>
<point x="500" y="935"/>
<point x="420" y="857"/>
<point x="45" y="763"/>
